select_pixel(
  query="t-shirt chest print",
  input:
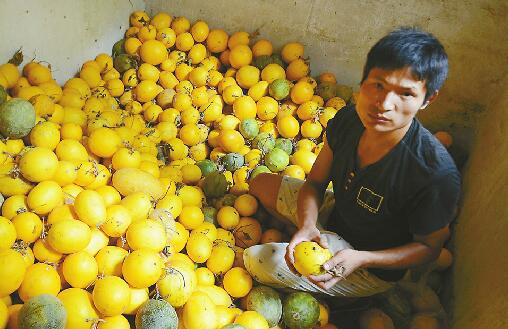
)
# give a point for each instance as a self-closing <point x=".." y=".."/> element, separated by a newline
<point x="369" y="199"/>
<point x="366" y="196"/>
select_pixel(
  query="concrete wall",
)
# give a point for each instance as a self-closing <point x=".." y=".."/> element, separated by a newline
<point x="64" y="33"/>
<point x="480" y="273"/>
<point x="339" y="33"/>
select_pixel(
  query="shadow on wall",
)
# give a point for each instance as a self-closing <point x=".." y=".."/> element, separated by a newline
<point x="469" y="106"/>
<point x="477" y="289"/>
<point x="477" y="64"/>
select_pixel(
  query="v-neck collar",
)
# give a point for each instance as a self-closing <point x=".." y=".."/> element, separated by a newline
<point x="356" y="168"/>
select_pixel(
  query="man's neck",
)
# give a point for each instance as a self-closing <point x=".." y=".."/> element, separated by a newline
<point x="384" y="140"/>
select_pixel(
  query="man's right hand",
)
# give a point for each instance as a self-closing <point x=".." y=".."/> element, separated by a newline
<point x="303" y="234"/>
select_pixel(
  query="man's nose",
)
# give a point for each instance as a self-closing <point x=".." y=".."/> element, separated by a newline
<point x="386" y="101"/>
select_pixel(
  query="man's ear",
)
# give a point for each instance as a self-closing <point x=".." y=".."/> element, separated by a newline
<point x="431" y="99"/>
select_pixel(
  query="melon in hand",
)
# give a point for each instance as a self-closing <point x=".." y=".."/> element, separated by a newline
<point x="310" y="257"/>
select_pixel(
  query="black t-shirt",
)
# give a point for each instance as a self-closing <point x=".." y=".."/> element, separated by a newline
<point x="414" y="189"/>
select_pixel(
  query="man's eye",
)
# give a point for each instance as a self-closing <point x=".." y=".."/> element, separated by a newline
<point x="407" y="95"/>
<point x="379" y="86"/>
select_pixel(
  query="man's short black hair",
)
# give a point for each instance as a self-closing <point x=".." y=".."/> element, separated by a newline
<point x="414" y="48"/>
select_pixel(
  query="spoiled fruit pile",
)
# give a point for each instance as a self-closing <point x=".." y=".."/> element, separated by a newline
<point x="125" y="191"/>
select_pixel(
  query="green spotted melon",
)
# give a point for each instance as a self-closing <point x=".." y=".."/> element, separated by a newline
<point x="258" y="170"/>
<point x="124" y="62"/>
<point x="276" y="160"/>
<point x="249" y="128"/>
<point x="156" y="314"/>
<point x="210" y="214"/>
<point x="279" y="89"/>
<point x="207" y="167"/>
<point x="42" y="312"/>
<point x="300" y="311"/>
<point x="17" y="118"/>
<point x="266" y="301"/>
<point x="232" y="161"/>
<point x="118" y="48"/>
<point x="277" y="59"/>
<point x="264" y="142"/>
<point x="262" y="61"/>
<point x="284" y="144"/>
<point x="215" y="185"/>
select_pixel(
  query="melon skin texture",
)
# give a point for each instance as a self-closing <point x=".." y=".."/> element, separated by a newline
<point x="118" y="48"/>
<point x="123" y="62"/>
<point x="210" y="215"/>
<point x="232" y="161"/>
<point x="277" y="59"/>
<point x="249" y="128"/>
<point x="259" y="170"/>
<point x="276" y="160"/>
<point x="266" y="301"/>
<point x="279" y="89"/>
<point x="207" y="167"/>
<point x="284" y="144"/>
<point x="262" y="61"/>
<point x="300" y="311"/>
<point x="264" y="142"/>
<point x="156" y="314"/>
<point x="17" y="118"/>
<point x="215" y="185"/>
<point x="42" y="312"/>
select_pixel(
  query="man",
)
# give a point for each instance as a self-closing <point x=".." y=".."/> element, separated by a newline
<point x="395" y="187"/>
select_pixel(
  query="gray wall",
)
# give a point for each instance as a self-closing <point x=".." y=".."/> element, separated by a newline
<point x="64" y="33"/>
<point x="480" y="286"/>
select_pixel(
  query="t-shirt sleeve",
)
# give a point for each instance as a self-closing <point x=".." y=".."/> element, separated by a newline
<point x="335" y="127"/>
<point x="435" y="206"/>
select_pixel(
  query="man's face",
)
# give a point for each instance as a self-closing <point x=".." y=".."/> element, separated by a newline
<point x="389" y="99"/>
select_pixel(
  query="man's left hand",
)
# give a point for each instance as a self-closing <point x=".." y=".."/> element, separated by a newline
<point x="342" y="264"/>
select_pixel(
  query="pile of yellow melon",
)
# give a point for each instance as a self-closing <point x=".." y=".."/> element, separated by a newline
<point x="104" y="200"/>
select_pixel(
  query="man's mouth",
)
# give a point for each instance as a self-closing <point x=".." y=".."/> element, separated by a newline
<point x="378" y="118"/>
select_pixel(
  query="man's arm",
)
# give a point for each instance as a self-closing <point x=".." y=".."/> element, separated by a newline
<point x="309" y="201"/>
<point x="311" y="193"/>
<point x="423" y="249"/>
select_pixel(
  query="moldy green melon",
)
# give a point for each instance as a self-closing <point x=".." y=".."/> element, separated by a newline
<point x="266" y="301"/>
<point x="300" y="311"/>
<point x="156" y="314"/>
<point x="42" y="312"/>
<point x="17" y="118"/>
